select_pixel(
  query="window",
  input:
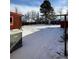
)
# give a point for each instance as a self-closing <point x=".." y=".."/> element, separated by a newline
<point x="11" y="20"/>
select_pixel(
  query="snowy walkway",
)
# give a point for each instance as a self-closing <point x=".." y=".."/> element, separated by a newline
<point x="40" y="42"/>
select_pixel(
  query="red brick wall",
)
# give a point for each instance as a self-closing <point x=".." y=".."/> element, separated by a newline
<point x="16" y="21"/>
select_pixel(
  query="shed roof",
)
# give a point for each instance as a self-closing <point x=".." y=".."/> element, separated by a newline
<point x="14" y="13"/>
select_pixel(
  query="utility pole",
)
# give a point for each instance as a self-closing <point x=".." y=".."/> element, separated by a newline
<point x="60" y="12"/>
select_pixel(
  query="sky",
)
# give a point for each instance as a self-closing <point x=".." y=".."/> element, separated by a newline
<point x="24" y="6"/>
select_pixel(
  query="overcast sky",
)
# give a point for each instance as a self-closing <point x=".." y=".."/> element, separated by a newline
<point x="24" y="6"/>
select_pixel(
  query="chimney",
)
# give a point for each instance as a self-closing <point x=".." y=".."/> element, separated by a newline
<point x="16" y="10"/>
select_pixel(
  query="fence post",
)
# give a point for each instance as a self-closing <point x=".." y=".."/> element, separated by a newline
<point x="65" y="37"/>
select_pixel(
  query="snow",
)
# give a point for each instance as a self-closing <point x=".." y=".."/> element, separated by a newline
<point x="40" y="42"/>
<point x="29" y="29"/>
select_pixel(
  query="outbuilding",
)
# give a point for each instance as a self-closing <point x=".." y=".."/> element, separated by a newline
<point x="15" y="20"/>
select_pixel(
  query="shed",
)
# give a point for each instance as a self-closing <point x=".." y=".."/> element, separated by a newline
<point x="15" y="20"/>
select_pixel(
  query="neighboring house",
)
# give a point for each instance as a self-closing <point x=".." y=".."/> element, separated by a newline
<point x="15" y="20"/>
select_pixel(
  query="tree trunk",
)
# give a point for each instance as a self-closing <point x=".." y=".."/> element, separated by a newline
<point x="49" y="22"/>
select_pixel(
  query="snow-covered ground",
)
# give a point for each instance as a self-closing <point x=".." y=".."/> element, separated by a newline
<point x="29" y="29"/>
<point x="40" y="42"/>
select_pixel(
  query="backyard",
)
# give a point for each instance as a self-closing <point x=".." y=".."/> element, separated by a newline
<point x="40" y="42"/>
